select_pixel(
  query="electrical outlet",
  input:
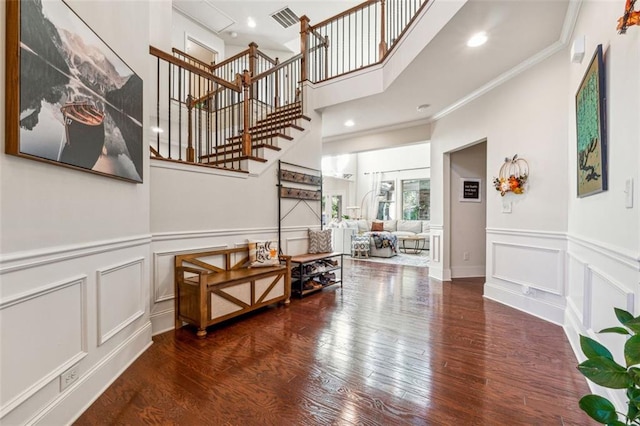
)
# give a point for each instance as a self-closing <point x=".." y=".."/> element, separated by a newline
<point x="465" y="255"/>
<point x="68" y="377"/>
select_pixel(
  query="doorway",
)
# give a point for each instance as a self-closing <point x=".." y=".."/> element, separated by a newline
<point x="468" y="211"/>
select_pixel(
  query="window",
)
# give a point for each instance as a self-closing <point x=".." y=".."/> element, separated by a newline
<point x="386" y="205"/>
<point x="331" y="208"/>
<point x="416" y="199"/>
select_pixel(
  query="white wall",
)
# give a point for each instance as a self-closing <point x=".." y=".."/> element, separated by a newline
<point x="603" y="235"/>
<point x="526" y="116"/>
<point x="468" y="236"/>
<point x="74" y="279"/>
<point x="194" y="208"/>
<point x="282" y="55"/>
<point x="183" y="26"/>
<point x="377" y="139"/>
<point x="566" y="259"/>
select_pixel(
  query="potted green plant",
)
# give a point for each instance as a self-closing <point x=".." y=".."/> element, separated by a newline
<point x="602" y="369"/>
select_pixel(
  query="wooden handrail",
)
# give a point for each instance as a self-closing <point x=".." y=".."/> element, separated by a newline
<point x="356" y="8"/>
<point x="231" y="59"/>
<point x="206" y="96"/>
<point x="277" y="67"/>
<point x="194" y="59"/>
<point x="192" y="68"/>
<point x="266" y="57"/>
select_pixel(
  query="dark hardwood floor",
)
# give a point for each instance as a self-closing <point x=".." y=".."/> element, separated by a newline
<point x="391" y="348"/>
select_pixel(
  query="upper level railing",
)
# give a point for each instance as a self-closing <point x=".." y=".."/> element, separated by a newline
<point x="354" y="39"/>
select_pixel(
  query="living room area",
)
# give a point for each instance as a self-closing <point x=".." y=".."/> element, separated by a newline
<point x="377" y="203"/>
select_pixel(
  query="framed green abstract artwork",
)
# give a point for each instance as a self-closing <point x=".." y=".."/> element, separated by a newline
<point x="591" y="129"/>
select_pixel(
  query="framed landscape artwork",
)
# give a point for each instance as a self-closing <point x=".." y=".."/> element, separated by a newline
<point x="591" y="128"/>
<point x="71" y="100"/>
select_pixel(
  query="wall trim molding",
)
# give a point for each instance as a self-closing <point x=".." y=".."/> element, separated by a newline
<point x="194" y="168"/>
<point x="93" y="374"/>
<point x="556" y="251"/>
<point x="537" y="307"/>
<point x="159" y="318"/>
<point x="27" y="393"/>
<point x="184" y="235"/>
<point x="528" y="233"/>
<point x="34" y="258"/>
<point x="468" y="271"/>
<point x="626" y="257"/>
<point x="100" y="273"/>
<point x="157" y="255"/>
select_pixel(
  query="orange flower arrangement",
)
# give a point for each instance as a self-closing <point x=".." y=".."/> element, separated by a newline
<point x="513" y="176"/>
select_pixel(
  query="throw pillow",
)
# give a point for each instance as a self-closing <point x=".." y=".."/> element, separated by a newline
<point x="320" y="241"/>
<point x="377" y="226"/>
<point x="263" y="253"/>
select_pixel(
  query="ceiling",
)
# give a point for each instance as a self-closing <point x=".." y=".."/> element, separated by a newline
<point x="443" y="74"/>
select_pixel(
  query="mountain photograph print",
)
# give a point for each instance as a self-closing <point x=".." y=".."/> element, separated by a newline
<point x="77" y="103"/>
<point x="591" y="129"/>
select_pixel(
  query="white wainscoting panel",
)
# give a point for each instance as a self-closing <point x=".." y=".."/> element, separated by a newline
<point x="606" y="292"/>
<point x="296" y="245"/>
<point x="436" y="249"/>
<point x="578" y="288"/>
<point x="44" y="332"/>
<point x="163" y="271"/>
<point x="536" y="267"/>
<point x="606" y="277"/>
<point x="120" y="297"/>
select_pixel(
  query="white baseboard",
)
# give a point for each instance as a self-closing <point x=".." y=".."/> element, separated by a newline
<point x="162" y="321"/>
<point x="530" y="305"/>
<point x="468" y="271"/>
<point x="71" y="403"/>
<point x="440" y="274"/>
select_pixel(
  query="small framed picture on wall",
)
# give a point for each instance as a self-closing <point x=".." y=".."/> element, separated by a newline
<point x="470" y="190"/>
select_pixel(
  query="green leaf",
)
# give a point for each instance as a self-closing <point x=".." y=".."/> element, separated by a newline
<point x="632" y="350"/>
<point x="598" y="408"/>
<point x="623" y="316"/>
<point x="593" y="349"/>
<point x="617" y="330"/>
<point x="634" y="372"/>
<point x="633" y="324"/>
<point x="633" y="396"/>
<point x="606" y="372"/>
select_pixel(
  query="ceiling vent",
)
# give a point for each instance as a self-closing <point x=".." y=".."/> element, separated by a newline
<point x="286" y="17"/>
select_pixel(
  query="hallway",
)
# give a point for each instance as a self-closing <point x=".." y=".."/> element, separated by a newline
<point x="392" y="348"/>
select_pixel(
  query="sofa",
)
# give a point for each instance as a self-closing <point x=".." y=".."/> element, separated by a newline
<point x="343" y="230"/>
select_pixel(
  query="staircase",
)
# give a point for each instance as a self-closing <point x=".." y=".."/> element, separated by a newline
<point x="214" y="115"/>
<point x="270" y="133"/>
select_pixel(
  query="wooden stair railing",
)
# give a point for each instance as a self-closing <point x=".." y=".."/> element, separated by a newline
<point x="221" y="115"/>
<point x="205" y="119"/>
<point x="359" y="37"/>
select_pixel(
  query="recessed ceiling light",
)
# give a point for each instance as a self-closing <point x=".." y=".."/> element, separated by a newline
<point x="156" y="130"/>
<point x="477" y="39"/>
<point x="349" y="123"/>
<point x="251" y="22"/>
<point x="423" y="107"/>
